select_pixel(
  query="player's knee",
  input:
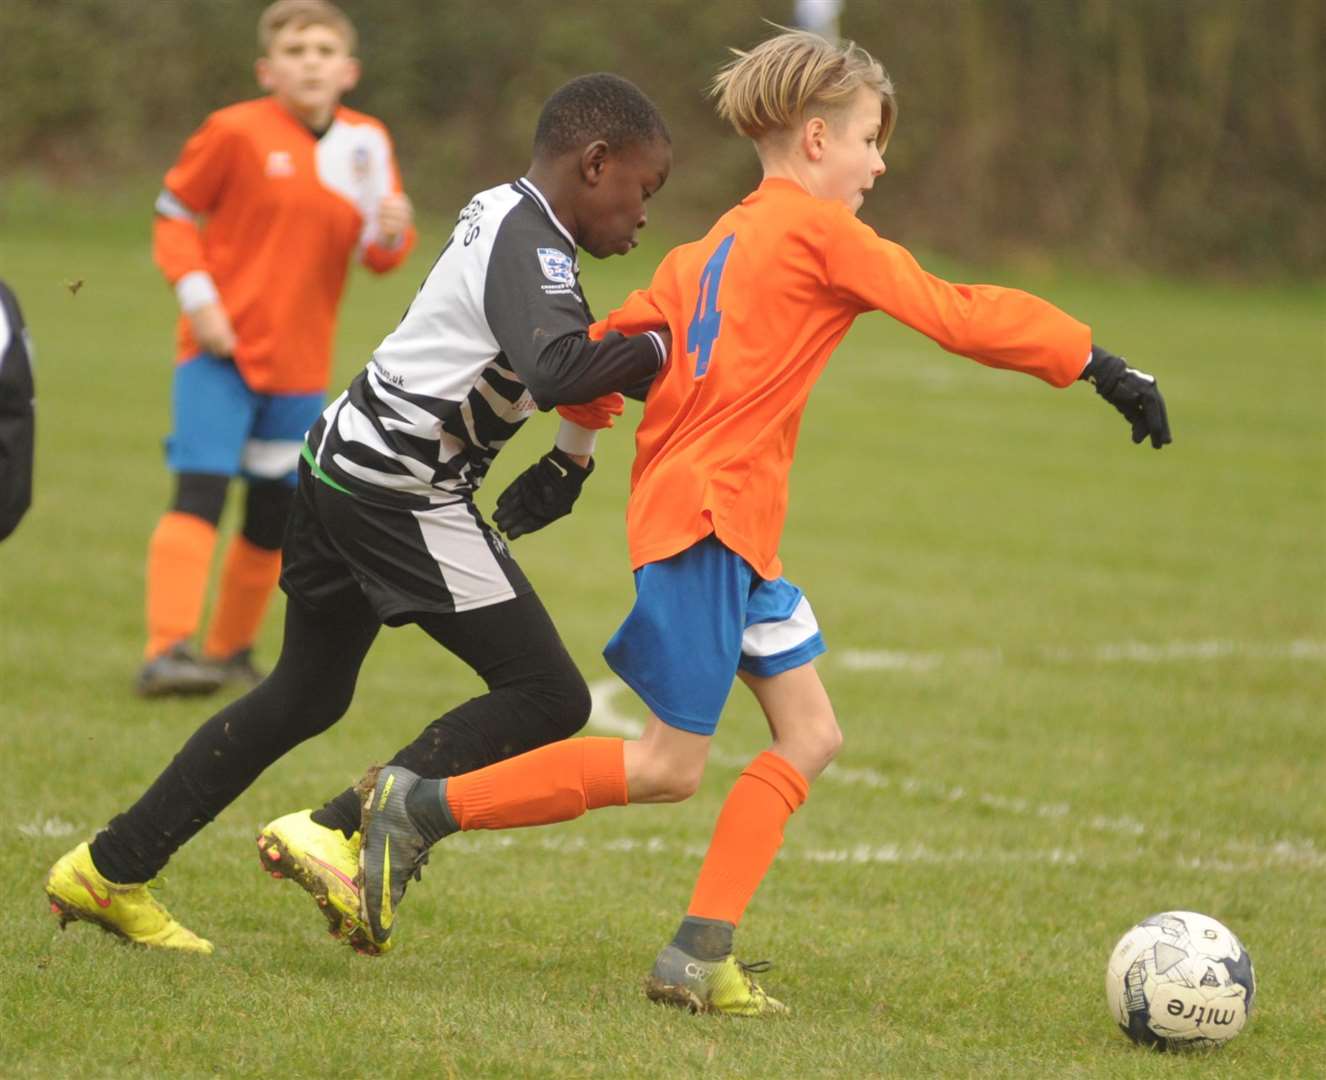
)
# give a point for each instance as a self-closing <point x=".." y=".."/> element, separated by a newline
<point x="309" y="705"/>
<point x="675" y="788"/>
<point x="825" y="739"/>
<point x="322" y="711"/>
<point x="335" y="703"/>
<point x="674" y="781"/>
<point x="565" y="701"/>
<point x="576" y="705"/>
<point x="266" y="507"/>
<point x="831" y="741"/>
<point x="814" y="745"/>
<point x="201" y="494"/>
<point x="685" y="783"/>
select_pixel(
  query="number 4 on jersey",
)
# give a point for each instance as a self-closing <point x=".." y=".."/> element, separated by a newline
<point x="702" y="332"/>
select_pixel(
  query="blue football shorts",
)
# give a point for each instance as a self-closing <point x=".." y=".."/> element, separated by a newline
<point x="224" y="428"/>
<point x="699" y="618"/>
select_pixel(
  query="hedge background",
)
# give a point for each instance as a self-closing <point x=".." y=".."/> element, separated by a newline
<point x="1184" y="135"/>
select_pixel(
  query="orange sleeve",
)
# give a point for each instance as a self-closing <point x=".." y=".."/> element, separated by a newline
<point x="381" y="259"/>
<point x="998" y="327"/>
<point x="378" y="257"/>
<point x="193" y="186"/>
<point x="177" y="247"/>
<point x="639" y="312"/>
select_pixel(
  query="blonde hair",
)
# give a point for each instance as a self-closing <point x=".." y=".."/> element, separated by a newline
<point x="302" y="13"/>
<point x="769" y="89"/>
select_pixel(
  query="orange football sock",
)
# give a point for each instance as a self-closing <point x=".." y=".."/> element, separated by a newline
<point x="556" y="782"/>
<point x="747" y="837"/>
<point x="247" y="580"/>
<point x="179" y="556"/>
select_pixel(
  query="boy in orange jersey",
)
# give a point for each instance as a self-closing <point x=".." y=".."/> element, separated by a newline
<point x="290" y="187"/>
<point x="755" y="309"/>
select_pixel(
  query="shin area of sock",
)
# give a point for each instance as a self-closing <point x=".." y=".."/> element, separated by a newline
<point x="746" y="838"/>
<point x="248" y="577"/>
<point x="179" y="557"/>
<point x="556" y="782"/>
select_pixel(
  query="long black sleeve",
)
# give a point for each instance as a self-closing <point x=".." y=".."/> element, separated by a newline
<point x="534" y="305"/>
<point x="640" y="390"/>
<point x="572" y="369"/>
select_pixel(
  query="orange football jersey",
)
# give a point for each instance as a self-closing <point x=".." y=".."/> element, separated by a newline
<point x="755" y="309"/>
<point x="284" y="211"/>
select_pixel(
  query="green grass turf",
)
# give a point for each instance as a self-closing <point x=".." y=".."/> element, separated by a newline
<point x="1012" y="796"/>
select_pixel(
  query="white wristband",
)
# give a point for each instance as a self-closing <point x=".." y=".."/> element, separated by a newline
<point x="196" y="289"/>
<point x="573" y="439"/>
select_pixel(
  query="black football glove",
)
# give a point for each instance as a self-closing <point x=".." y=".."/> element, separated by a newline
<point x="541" y="494"/>
<point x="1133" y="393"/>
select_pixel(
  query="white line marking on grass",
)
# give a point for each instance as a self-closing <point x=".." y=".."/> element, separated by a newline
<point x="1246" y="857"/>
<point x="604" y="717"/>
<point x="885" y="854"/>
<point x="51" y="826"/>
<point x="920" y="662"/>
<point x="1124" y="652"/>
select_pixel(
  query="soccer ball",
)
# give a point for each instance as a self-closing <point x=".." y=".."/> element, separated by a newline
<point x="1180" y="979"/>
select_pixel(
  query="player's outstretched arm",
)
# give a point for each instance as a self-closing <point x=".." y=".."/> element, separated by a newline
<point x="1134" y="393"/>
<point x="544" y="492"/>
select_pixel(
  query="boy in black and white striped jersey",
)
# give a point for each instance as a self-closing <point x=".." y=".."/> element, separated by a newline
<point x="385" y="531"/>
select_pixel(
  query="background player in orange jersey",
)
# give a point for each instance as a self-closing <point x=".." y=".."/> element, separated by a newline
<point x="288" y="188"/>
<point x="755" y="309"/>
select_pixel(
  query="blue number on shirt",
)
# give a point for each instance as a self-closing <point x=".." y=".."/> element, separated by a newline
<point x="702" y="332"/>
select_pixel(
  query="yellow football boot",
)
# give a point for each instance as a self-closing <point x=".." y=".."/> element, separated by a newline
<point x="77" y="891"/>
<point x="324" y="864"/>
<point x="710" y="986"/>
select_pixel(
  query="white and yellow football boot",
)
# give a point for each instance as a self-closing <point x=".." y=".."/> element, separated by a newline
<point x="710" y="986"/>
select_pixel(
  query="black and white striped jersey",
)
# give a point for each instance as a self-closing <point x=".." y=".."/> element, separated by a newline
<point x="497" y="330"/>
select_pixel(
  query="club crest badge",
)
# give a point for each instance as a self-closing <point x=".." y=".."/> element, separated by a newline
<point x="280" y="163"/>
<point x="557" y="267"/>
<point x="361" y="164"/>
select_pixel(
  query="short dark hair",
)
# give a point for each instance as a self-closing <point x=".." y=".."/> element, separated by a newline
<point x="598" y="106"/>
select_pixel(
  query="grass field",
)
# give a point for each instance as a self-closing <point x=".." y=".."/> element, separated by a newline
<point x="1081" y="682"/>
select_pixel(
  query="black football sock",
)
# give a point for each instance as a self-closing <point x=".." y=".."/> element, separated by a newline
<point x="426" y="803"/>
<point x="704" y="939"/>
<point x="341" y="813"/>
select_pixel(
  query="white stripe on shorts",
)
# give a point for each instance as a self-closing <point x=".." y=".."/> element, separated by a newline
<point x="270" y="459"/>
<point x="467" y="564"/>
<point x="771" y="638"/>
